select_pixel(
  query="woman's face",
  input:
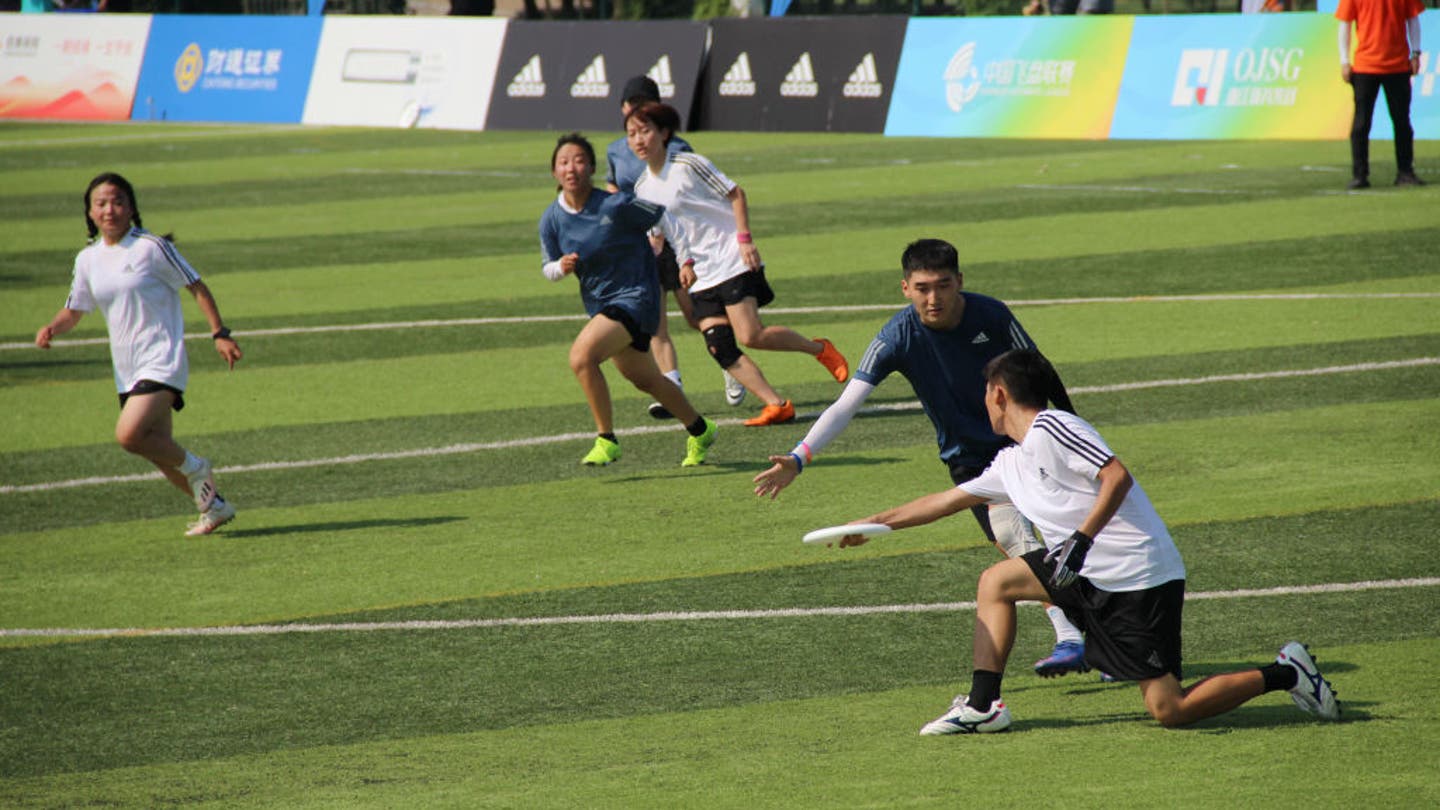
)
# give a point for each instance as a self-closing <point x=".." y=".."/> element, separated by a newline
<point x="644" y="139"/>
<point x="572" y="169"/>
<point x="111" y="211"/>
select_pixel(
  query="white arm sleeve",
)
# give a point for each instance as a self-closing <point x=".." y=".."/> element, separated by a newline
<point x="838" y="415"/>
<point x="1412" y="33"/>
<point x="1344" y="43"/>
<point x="552" y="270"/>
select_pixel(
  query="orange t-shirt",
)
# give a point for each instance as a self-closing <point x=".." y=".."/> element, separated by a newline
<point x="1381" y="46"/>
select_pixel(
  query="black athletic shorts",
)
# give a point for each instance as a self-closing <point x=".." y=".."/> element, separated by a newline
<point x="639" y="341"/>
<point x="150" y="387"/>
<point x="750" y="284"/>
<point x="1132" y="635"/>
<point x="669" y="270"/>
<point x="959" y="474"/>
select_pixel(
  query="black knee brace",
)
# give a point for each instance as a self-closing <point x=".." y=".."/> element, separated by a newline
<point x="721" y="342"/>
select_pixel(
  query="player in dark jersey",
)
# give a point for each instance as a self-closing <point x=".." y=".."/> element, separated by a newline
<point x="600" y="238"/>
<point x="941" y="343"/>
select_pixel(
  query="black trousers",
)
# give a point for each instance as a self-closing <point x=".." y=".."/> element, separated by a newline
<point x="1367" y="88"/>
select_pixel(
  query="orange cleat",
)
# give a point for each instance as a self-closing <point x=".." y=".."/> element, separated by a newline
<point x="773" y="415"/>
<point x="831" y="358"/>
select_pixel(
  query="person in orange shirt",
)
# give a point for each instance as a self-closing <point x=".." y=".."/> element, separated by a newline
<point x="1387" y="54"/>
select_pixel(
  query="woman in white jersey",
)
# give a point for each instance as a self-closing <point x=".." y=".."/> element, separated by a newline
<point x="719" y="263"/>
<point x="134" y="278"/>
<point x="1110" y="563"/>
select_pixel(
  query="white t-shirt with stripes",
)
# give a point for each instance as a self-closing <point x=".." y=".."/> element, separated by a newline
<point x="135" y="285"/>
<point x="700" y="220"/>
<point x="1051" y="478"/>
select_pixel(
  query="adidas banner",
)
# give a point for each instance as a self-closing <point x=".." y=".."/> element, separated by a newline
<point x="804" y="75"/>
<point x="569" y="76"/>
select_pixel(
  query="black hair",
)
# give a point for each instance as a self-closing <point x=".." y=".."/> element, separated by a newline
<point x="930" y="254"/>
<point x="576" y="139"/>
<point x="1027" y="376"/>
<point x="659" y="116"/>
<point x="119" y="182"/>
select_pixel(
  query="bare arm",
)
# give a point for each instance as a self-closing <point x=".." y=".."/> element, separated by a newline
<point x="922" y="510"/>
<point x="226" y="346"/>
<point x="63" y="322"/>
<point x="740" y="205"/>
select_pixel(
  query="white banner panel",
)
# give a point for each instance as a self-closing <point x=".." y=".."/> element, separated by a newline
<point x="433" y="72"/>
<point x="71" y="66"/>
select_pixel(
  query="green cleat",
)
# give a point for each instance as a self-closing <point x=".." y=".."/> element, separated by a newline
<point x="697" y="446"/>
<point x="604" y="452"/>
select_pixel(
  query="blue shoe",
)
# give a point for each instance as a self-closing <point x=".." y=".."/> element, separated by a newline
<point x="1068" y="656"/>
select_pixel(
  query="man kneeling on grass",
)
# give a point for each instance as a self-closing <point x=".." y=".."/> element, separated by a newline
<point x="1109" y="562"/>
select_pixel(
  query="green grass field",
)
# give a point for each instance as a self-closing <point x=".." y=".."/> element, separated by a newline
<point x="402" y="439"/>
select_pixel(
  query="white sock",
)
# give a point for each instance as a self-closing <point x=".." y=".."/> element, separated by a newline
<point x="1064" y="630"/>
<point x="674" y="376"/>
<point x="190" y="464"/>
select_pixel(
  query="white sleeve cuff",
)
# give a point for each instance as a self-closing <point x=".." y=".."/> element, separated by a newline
<point x="552" y="270"/>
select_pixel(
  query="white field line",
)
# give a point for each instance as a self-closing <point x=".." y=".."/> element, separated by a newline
<point x="535" y="441"/>
<point x="663" y="616"/>
<point x="523" y="319"/>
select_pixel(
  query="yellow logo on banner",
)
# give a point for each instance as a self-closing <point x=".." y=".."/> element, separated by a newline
<point x="188" y="68"/>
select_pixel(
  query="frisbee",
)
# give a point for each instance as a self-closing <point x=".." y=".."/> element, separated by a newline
<point x="832" y="533"/>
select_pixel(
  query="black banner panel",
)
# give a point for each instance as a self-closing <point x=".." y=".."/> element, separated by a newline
<point x="804" y="75"/>
<point x="569" y="75"/>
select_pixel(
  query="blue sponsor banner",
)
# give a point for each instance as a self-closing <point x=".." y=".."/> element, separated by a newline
<point x="231" y="68"/>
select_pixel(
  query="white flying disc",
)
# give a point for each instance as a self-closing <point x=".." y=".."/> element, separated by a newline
<point x="832" y="533"/>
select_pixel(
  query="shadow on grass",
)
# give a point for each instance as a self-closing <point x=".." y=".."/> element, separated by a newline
<point x="341" y="526"/>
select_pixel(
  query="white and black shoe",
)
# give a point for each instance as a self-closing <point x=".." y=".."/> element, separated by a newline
<point x="734" y="390"/>
<point x="964" y="719"/>
<point x="1312" y="693"/>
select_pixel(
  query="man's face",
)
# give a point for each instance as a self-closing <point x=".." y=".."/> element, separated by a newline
<point x="935" y="294"/>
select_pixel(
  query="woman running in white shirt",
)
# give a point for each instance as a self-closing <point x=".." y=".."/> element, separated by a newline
<point x="134" y="278"/>
<point x="720" y="265"/>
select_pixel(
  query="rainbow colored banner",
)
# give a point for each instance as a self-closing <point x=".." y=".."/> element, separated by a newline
<point x="1234" y="76"/>
<point x="1010" y="77"/>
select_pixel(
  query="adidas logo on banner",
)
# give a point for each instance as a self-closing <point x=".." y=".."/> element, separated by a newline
<point x="864" y="81"/>
<point x="592" y="83"/>
<point x="529" y="82"/>
<point x="800" y="81"/>
<point x="660" y="73"/>
<point x="738" y="81"/>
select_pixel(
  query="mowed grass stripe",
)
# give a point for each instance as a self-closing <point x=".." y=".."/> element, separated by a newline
<point x="535" y="441"/>
<point x="445" y="530"/>
<point x="455" y="378"/>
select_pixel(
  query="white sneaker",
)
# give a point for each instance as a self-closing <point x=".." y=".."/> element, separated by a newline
<point x="962" y="719"/>
<point x="1312" y="693"/>
<point x="734" y="390"/>
<point x="202" y="485"/>
<point x="220" y="513"/>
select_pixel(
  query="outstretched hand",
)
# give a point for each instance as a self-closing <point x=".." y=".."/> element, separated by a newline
<point x="781" y="472"/>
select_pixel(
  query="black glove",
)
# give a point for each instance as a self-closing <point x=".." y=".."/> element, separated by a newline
<point x="1068" y="558"/>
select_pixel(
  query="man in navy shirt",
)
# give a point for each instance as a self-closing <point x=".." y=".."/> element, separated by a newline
<point x="941" y="343"/>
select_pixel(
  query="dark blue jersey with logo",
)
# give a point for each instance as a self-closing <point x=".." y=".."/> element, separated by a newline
<point x="616" y="265"/>
<point x="945" y="369"/>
